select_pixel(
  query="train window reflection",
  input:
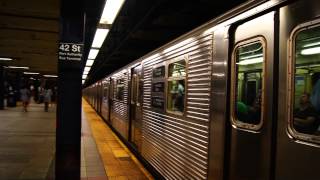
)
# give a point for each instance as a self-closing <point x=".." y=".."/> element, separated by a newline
<point x="249" y="83"/>
<point x="105" y="93"/>
<point x="120" y="89"/>
<point x="176" y="87"/>
<point x="306" y="98"/>
<point x="177" y="69"/>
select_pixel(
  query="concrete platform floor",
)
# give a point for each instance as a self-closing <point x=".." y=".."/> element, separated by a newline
<point x="119" y="163"/>
<point x="27" y="148"/>
<point x="27" y="142"/>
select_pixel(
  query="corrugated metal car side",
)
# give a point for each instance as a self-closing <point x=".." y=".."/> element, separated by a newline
<point x="120" y="109"/>
<point x="177" y="146"/>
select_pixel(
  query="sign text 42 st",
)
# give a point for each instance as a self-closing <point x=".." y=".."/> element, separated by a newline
<point x="70" y="51"/>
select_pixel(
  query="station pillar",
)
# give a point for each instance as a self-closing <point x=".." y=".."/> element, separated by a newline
<point x="68" y="132"/>
<point x="1" y="88"/>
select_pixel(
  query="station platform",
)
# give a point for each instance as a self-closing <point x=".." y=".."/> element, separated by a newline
<point x="119" y="163"/>
<point x="27" y="148"/>
<point x="27" y="142"/>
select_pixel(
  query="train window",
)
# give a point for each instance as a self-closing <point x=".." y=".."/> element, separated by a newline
<point x="158" y="72"/>
<point x="248" y="84"/>
<point x="176" y="87"/>
<point x="105" y="93"/>
<point x="120" y="89"/>
<point x="306" y="82"/>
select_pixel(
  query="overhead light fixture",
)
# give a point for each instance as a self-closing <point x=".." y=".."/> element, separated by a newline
<point x="18" y="67"/>
<point x="99" y="37"/>
<point x="5" y="59"/>
<point x="251" y="61"/>
<point x="311" y="44"/>
<point x="87" y="68"/>
<point x="84" y="76"/>
<point x="83" y="81"/>
<point x="47" y="75"/>
<point x="89" y="62"/>
<point x="311" y="51"/>
<point x="31" y="73"/>
<point x="110" y="11"/>
<point x="85" y="72"/>
<point x="250" y="56"/>
<point x="93" y="53"/>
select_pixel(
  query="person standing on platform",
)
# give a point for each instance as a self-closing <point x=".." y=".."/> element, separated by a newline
<point x="25" y="97"/>
<point x="47" y="98"/>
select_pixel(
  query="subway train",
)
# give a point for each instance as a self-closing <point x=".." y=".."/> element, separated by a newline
<point x="236" y="98"/>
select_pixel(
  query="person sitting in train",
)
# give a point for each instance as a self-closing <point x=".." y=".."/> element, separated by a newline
<point x="315" y="94"/>
<point x="254" y="112"/>
<point x="306" y="120"/>
<point x="242" y="111"/>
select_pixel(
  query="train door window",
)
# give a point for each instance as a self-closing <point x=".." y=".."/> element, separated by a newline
<point x="176" y="87"/>
<point x="105" y="92"/>
<point x="120" y="89"/>
<point x="248" y="73"/>
<point x="133" y="89"/>
<point x="305" y="103"/>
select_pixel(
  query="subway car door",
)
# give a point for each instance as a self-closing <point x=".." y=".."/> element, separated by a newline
<point x="298" y="144"/>
<point x="95" y="96"/>
<point x="135" y="107"/>
<point x="111" y="98"/>
<point x="251" y="99"/>
<point x="99" y="97"/>
<point x="105" y="106"/>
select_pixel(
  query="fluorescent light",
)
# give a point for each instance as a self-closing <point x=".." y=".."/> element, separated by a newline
<point x="110" y="11"/>
<point x="47" y="75"/>
<point x="82" y="81"/>
<point x="87" y="68"/>
<point x="89" y="62"/>
<point x="311" y="44"/>
<point x="5" y="59"/>
<point x="251" y="56"/>
<point x="85" y="72"/>
<point x="30" y="73"/>
<point x="93" y="53"/>
<point x="18" y="67"/>
<point x="84" y="76"/>
<point x="99" y="37"/>
<point x="310" y="51"/>
<point x="251" y="61"/>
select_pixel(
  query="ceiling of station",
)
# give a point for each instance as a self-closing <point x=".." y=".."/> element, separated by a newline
<point x="144" y="25"/>
<point x="29" y="32"/>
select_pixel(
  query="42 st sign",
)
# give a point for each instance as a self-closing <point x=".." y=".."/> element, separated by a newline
<point x="70" y="51"/>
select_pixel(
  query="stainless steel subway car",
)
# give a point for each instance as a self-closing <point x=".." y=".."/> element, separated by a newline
<point x="237" y="98"/>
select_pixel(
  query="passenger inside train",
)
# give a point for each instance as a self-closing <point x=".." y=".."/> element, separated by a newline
<point x="306" y="113"/>
<point x="249" y="67"/>
<point x="177" y="95"/>
<point x="306" y="119"/>
<point x="176" y="85"/>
